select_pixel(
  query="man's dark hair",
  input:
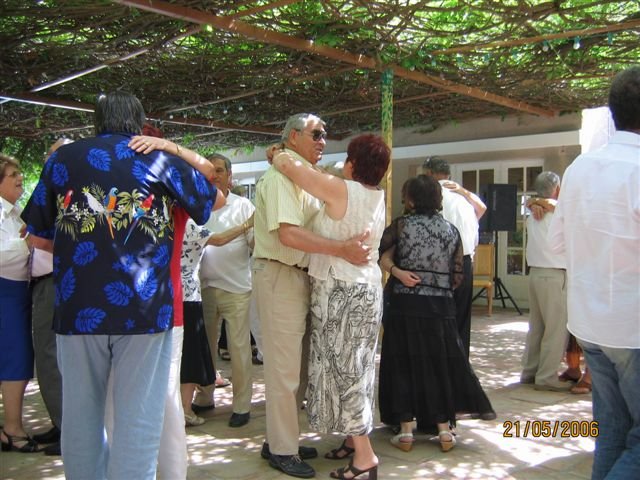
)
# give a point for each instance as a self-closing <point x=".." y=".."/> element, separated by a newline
<point x="624" y="99"/>
<point x="425" y="193"/>
<point x="219" y="156"/>
<point x="437" y="165"/>
<point x="118" y="112"/>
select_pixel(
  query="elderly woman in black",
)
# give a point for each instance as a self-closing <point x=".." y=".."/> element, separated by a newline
<point x="424" y="372"/>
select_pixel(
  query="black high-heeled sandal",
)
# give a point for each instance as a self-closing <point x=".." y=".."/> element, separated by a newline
<point x="339" y="473"/>
<point x="30" y="445"/>
<point x="343" y="451"/>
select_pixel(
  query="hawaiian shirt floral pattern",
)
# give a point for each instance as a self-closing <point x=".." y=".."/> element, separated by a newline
<point x="110" y="212"/>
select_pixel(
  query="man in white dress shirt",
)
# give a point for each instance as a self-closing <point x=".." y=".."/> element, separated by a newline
<point x="462" y="208"/>
<point x="548" y="335"/>
<point x="225" y="277"/>
<point x="596" y="224"/>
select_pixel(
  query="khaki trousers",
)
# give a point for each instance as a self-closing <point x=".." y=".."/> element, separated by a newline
<point x="548" y="335"/>
<point x="282" y="295"/>
<point x="234" y="308"/>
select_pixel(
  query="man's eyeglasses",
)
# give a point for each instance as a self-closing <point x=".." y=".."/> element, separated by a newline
<point x="316" y="134"/>
<point x="16" y="174"/>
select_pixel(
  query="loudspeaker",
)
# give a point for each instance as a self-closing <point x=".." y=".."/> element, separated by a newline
<point x="501" y="208"/>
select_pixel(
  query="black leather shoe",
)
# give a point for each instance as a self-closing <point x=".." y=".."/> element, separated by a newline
<point x="256" y="361"/>
<point x="292" y="465"/>
<point x="50" y="436"/>
<point x="198" y="409"/>
<point x="254" y="356"/>
<point x="239" y="419"/>
<point x="305" y="453"/>
<point x="52" y="450"/>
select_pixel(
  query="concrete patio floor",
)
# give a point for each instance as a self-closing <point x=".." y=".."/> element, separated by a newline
<point x="484" y="450"/>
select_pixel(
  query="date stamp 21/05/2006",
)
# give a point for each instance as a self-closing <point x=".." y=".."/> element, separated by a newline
<point x="550" y="428"/>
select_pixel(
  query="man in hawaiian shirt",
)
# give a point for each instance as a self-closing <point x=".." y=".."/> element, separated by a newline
<point x="109" y="210"/>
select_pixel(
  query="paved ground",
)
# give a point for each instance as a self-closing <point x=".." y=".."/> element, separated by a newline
<point x="485" y="450"/>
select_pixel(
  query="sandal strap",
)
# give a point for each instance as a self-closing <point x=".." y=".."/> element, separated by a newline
<point x="333" y="454"/>
<point x="403" y="437"/>
<point x="350" y="469"/>
<point x="30" y="444"/>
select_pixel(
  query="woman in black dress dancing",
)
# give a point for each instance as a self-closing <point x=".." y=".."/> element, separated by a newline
<point x="424" y="372"/>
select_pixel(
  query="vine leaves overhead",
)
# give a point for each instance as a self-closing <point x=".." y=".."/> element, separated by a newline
<point x="232" y="78"/>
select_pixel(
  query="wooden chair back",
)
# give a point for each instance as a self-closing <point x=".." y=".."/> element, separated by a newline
<point x="484" y="273"/>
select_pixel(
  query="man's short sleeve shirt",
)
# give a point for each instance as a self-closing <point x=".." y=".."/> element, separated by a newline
<point x="110" y="212"/>
<point x="279" y="200"/>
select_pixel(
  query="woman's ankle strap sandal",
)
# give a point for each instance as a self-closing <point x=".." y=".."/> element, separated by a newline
<point x="403" y="441"/>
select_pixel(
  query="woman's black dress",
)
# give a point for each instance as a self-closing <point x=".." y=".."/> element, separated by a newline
<point x="424" y="372"/>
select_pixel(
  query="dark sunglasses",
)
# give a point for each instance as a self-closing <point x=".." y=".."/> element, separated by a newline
<point x="316" y="134"/>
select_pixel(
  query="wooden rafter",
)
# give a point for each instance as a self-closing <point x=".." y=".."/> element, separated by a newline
<point x="541" y="38"/>
<point x="141" y="51"/>
<point x="47" y="102"/>
<point x="261" y="90"/>
<point x="262" y="8"/>
<point x="110" y="62"/>
<point x="86" y="107"/>
<point x="362" y="61"/>
<point x="373" y="106"/>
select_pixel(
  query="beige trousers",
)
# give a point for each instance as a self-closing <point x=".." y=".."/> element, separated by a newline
<point x="282" y="295"/>
<point x="234" y="308"/>
<point x="548" y="336"/>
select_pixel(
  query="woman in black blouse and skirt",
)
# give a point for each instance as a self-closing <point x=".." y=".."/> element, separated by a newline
<point x="424" y="372"/>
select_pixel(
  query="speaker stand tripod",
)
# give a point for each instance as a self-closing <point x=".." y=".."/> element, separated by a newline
<point x="500" y="291"/>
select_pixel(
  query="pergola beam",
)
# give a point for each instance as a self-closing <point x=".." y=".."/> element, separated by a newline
<point x="47" y="102"/>
<point x="129" y="56"/>
<point x="259" y="91"/>
<point x="262" y="8"/>
<point x="541" y="38"/>
<point x="86" y="107"/>
<point x="362" y="61"/>
<point x="110" y="62"/>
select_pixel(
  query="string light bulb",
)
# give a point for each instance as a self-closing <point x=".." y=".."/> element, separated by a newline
<point x="576" y="43"/>
<point x="545" y="46"/>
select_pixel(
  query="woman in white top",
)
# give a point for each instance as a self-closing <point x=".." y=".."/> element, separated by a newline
<point x="16" y="348"/>
<point x="346" y="300"/>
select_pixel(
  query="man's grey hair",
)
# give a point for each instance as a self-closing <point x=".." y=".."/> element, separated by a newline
<point x="299" y="121"/>
<point x="219" y="156"/>
<point x="437" y="165"/>
<point x="545" y="184"/>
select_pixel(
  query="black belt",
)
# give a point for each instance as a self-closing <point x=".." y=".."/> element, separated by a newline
<point x="35" y="280"/>
<point x="304" y="269"/>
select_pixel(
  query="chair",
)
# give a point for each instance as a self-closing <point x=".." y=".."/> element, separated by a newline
<point x="484" y="273"/>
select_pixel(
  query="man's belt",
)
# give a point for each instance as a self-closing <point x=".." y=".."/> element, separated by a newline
<point x="35" y="280"/>
<point x="304" y="269"/>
